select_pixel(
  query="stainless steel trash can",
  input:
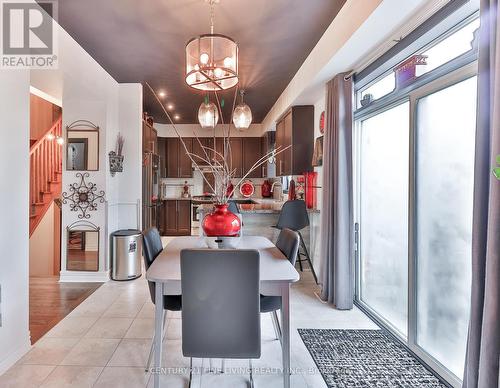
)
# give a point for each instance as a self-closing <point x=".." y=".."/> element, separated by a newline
<point x="126" y="254"/>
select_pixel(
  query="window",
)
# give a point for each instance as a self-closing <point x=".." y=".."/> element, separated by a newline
<point x="381" y="87"/>
<point x="453" y="46"/>
<point x="445" y="154"/>
<point x="414" y="158"/>
<point x="384" y="214"/>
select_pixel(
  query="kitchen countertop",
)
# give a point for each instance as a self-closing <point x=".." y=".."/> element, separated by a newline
<point x="176" y="199"/>
<point x="262" y="206"/>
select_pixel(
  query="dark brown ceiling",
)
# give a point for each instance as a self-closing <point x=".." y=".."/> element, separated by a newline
<point x="143" y="41"/>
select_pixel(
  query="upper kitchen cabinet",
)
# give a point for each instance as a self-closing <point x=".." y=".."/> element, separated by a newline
<point x="295" y="129"/>
<point x="149" y="138"/>
<point x="178" y="163"/>
<point x="198" y="149"/>
<point x="251" y="153"/>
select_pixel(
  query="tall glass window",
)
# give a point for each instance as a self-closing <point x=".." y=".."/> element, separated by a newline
<point x="414" y="176"/>
<point x="384" y="214"/>
<point x="445" y="128"/>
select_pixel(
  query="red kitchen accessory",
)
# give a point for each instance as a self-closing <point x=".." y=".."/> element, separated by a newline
<point x="230" y="190"/>
<point x="247" y="188"/>
<point x="265" y="189"/>
<point x="311" y="189"/>
<point x="291" y="190"/>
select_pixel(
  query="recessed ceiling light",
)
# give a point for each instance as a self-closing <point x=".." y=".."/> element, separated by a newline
<point x="177" y="117"/>
<point x="162" y="93"/>
<point x="170" y="106"/>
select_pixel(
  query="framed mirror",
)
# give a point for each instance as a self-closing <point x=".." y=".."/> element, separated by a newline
<point x="82" y="248"/>
<point x="82" y="146"/>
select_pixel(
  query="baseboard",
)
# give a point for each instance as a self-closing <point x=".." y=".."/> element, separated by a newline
<point x="15" y="356"/>
<point x="81" y="276"/>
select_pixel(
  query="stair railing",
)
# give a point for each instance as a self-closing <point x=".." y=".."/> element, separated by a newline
<point x="45" y="163"/>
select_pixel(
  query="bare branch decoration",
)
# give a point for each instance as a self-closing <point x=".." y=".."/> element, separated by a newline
<point x="220" y="164"/>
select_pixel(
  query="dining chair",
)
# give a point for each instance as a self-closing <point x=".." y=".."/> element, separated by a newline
<point x="220" y="305"/>
<point x="152" y="247"/>
<point x="293" y="215"/>
<point x="288" y="243"/>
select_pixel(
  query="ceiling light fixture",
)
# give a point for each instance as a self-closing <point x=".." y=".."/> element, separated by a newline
<point x="212" y="59"/>
<point x="162" y="94"/>
<point x="208" y="115"/>
<point x="170" y="106"/>
<point x="242" y="115"/>
<point x="177" y="117"/>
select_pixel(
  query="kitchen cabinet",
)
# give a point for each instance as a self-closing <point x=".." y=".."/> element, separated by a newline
<point x="264" y="142"/>
<point x="175" y="218"/>
<point x="200" y="151"/>
<point x="236" y="160"/>
<point x="251" y="153"/>
<point x="162" y="145"/>
<point x="178" y="163"/>
<point x="149" y="138"/>
<point x="295" y="129"/>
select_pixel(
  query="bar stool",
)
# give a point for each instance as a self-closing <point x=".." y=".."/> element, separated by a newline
<point x="294" y="216"/>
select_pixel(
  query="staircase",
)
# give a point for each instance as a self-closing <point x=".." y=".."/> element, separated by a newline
<point x="45" y="172"/>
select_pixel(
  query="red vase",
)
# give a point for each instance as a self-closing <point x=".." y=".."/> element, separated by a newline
<point x="221" y="223"/>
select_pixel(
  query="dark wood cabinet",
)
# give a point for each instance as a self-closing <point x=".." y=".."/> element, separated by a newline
<point x="178" y="163"/>
<point x="235" y="160"/>
<point x="203" y="152"/>
<point x="264" y="141"/>
<point x="162" y="145"/>
<point x="251" y="154"/>
<point x="149" y="138"/>
<point x="245" y="151"/>
<point x="295" y="129"/>
<point x="176" y="218"/>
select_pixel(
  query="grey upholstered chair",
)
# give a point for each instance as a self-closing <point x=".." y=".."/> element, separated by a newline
<point x="152" y="247"/>
<point x="288" y="243"/>
<point x="294" y="216"/>
<point x="220" y="304"/>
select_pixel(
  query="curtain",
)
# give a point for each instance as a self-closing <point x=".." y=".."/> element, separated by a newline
<point x="337" y="274"/>
<point x="483" y="343"/>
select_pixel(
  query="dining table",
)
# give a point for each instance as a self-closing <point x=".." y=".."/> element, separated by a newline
<point x="276" y="276"/>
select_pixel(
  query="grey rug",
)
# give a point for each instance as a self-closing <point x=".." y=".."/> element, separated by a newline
<point x="365" y="358"/>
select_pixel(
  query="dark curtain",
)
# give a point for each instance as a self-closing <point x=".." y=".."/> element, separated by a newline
<point x="337" y="271"/>
<point x="483" y="344"/>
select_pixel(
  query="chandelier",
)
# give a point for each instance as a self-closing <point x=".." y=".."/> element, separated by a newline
<point x="208" y="115"/>
<point x="211" y="60"/>
<point x="242" y="115"/>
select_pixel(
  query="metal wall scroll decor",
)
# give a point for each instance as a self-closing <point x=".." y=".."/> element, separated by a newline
<point x="83" y="196"/>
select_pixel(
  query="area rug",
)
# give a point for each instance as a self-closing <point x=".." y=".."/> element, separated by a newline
<point x="365" y="358"/>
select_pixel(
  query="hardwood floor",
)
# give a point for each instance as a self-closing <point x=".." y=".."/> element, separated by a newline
<point x="50" y="301"/>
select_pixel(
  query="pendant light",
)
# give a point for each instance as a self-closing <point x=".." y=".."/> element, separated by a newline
<point x="212" y="59"/>
<point x="242" y="115"/>
<point x="208" y="114"/>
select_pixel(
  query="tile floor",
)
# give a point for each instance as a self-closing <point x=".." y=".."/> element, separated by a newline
<point x="105" y="342"/>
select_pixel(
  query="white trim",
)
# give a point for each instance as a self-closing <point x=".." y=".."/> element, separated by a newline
<point x="45" y="96"/>
<point x="15" y="355"/>
<point x="83" y="276"/>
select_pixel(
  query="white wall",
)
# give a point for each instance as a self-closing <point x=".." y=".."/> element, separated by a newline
<point x="42" y="246"/>
<point x="88" y="92"/>
<point x="14" y="208"/>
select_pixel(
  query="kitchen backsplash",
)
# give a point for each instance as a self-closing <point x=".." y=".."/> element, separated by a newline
<point x="172" y="187"/>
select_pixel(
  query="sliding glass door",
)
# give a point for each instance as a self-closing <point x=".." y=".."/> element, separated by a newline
<point x="383" y="218"/>
<point x="414" y="188"/>
<point x="445" y="133"/>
